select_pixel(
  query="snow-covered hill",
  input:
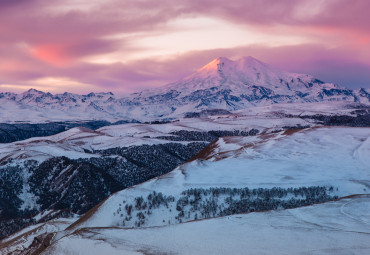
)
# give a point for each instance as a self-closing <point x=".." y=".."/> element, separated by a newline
<point x="221" y="84"/>
<point x="340" y="227"/>
<point x="323" y="157"/>
<point x="278" y="170"/>
<point x="81" y="142"/>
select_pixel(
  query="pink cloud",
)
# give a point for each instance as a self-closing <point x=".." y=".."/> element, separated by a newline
<point x="338" y="65"/>
<point x="348" y="14"/>
<point x="56" y="43"/>
<point x="52" y="54"/>
<point x="60" y="54"/>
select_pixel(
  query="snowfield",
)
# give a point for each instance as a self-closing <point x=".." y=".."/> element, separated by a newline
<point x="341" y="227"/>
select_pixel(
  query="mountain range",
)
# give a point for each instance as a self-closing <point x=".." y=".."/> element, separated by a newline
<point x="221" y="84"/>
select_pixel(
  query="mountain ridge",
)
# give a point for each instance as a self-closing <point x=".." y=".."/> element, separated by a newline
<point x="221" y="84"/>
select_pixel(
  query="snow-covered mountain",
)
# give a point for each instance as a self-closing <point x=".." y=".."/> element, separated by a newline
<point x="221" y="84"/>
<point x="247" y="82"/>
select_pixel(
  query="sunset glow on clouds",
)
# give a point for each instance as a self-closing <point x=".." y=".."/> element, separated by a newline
<point x="123" y="46"/>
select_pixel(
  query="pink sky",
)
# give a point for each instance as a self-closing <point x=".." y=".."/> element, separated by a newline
<point x="124" y="46"/>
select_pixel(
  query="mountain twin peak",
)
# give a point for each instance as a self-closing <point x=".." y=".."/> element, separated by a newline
<point x="248" y="79"/>
<point x="221" y="64"/>
<point x="247" y="70"/>
<point x="221" y="84"/>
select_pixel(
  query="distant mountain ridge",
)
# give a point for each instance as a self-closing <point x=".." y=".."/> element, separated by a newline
<point x="221" y="84"/>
